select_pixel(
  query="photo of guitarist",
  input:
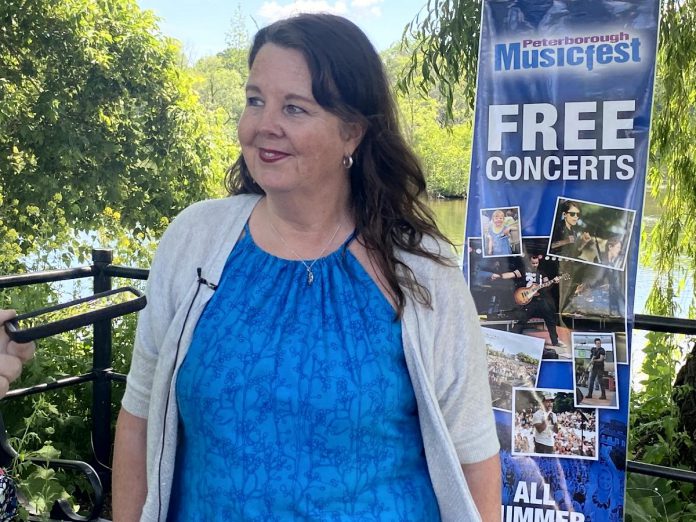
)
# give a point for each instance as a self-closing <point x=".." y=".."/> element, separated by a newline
<point x="531" y="298"/>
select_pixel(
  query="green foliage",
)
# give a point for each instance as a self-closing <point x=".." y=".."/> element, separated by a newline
<point x="673" y="155"/>
<point x="444" y="151"/>
<point x="221" y="91"/>
<point x="38" y="484"/>
<point x="653" y="499"/>
<point x="525" y="358"/>
<point x="442" y="145"/>
<point x="445" y="55"/>
<point x="656" y="437"/>
<point x="219" y="82"/>
<point x="238" y="44"/>
<point x="58" y="422"/>
<point x="94" y="112"/>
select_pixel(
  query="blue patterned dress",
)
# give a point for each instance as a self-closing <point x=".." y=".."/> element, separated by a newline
<point x="295" y="401"/>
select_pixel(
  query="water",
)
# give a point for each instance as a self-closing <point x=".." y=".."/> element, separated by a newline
<point x="450" y="214"/>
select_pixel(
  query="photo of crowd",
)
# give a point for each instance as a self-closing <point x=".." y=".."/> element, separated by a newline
<point x="513" y="361"/>
<point x="500" y="230"/>
<point x="547" y="423"/>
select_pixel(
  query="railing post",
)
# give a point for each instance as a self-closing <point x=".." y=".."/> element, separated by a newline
<point x="101" y="387"/>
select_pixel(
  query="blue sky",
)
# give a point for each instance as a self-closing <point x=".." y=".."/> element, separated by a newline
<point x="201" y="25"/>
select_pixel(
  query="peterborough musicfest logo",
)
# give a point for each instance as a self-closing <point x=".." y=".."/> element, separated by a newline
<point x="569" y="140"/>
<point x="583" y="52"/>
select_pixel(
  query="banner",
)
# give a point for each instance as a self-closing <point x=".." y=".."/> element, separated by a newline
<point x="558" y="170"/>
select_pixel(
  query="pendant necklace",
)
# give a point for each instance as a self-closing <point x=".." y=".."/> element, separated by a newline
<point x="308" y="266"/>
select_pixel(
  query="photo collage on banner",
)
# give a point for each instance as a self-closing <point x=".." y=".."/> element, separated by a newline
<point x="559" y="160"/>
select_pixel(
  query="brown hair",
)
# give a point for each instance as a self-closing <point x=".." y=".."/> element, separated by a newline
<point x="614" y="240"/>
<point x="386" y="179"/>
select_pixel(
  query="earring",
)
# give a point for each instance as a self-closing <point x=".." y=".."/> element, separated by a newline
<point x="347" y="161"/>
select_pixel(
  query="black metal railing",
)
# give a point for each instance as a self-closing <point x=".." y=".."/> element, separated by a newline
<point x="102" y="374"/>
<point x="102" y="271"/>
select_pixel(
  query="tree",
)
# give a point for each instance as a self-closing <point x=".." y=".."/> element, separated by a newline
<point x="96" y="115"/>
<point x="670" y="245"/>
<point x="220" y="80"/>
<point x="443" y="147"/>
<point x="220" y="90"/>
<point x="238" y="43"/>
<point x="445" y="52"/>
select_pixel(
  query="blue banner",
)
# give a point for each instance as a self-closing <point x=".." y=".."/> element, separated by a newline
<point x="558" y="171"/>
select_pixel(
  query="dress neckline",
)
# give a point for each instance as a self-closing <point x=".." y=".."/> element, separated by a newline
<point x="341" y="249"/>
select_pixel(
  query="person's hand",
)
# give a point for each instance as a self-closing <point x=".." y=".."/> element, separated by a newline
<point x="585" y="239"/>
<point x="495" y="276"/>
<point x="12" y="355"/>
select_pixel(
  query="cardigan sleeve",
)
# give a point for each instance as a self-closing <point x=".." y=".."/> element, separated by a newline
<point x="463" y="389"/>
<point x="454" y="352"/>
<point x="152" y="323"/>
<point x="155" y="319"/>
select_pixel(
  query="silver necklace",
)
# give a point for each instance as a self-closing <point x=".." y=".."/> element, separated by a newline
<point x="308" y="266"/>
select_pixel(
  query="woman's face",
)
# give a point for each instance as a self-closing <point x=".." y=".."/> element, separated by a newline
<point x="289" y="142"/>
<point x="615" y="250"/>
<point x="571" y="216"/>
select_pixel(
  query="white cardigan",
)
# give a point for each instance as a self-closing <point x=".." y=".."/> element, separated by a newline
<point x="443" y="346"/>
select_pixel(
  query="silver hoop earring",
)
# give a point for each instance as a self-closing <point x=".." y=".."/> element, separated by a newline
<point x="347" y="161"/>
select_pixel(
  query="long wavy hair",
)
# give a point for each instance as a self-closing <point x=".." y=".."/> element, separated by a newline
<point x="386" y="179"/>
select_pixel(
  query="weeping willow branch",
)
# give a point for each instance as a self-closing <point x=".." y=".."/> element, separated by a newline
<point x="444" y="38"/>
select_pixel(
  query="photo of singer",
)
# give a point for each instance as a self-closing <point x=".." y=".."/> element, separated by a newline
<point x="546" y="423"/>
<point x="591" y="233"/>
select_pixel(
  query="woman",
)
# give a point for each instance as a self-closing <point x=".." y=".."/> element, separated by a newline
<point x="616" y="279"/>
<point x="613" y="255"/>
<point x="569" y="239"/>
<point x="309" y="350"/>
